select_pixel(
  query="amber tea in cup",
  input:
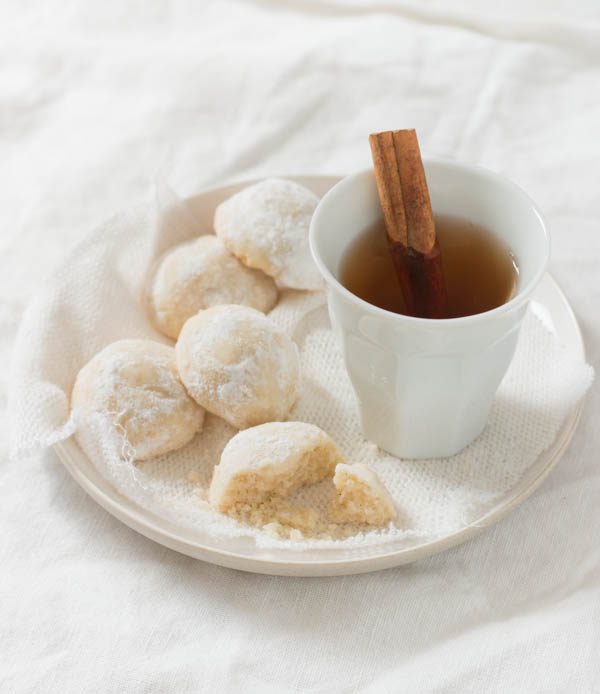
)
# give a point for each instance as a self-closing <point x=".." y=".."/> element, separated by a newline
<point x="480" y="272"/>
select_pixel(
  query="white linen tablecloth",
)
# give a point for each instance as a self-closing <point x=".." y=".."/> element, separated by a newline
<point x="96" y="99"/>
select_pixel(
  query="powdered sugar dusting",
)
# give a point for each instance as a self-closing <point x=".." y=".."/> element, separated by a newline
<point x="275" y="443"/>
<point x="266" y="226"/>
<point x="201" y="274"/>
<point x="239" y="365"/>
<point x="134" y="384"/>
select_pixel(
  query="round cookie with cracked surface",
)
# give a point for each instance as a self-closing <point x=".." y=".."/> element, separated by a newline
<point x="201" y="274"/>
<point x="238" y="365"/>
<point x="135" y="385"/>
<point x="266" y="226"/>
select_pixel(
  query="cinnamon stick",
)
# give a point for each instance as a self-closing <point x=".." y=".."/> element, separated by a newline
<point x="409" y="222"/>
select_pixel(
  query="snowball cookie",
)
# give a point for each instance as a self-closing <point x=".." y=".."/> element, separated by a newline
<point x="135" y="383"/>
<point x="360" y="497"/>
<point x="273" y="458"/>
<point x="266" y="227"/>
<point x="237" y="364"/>
<point x="202" y="274"/>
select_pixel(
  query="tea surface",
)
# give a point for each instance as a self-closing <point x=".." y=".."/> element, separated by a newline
<point x="480" y="271"/>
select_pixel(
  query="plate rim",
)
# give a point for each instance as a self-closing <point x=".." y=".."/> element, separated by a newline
<point x="153" y="527"/>
<point x="150" y="525"/>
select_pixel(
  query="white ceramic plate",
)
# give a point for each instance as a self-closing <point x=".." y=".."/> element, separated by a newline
<point x="242" y="553"/>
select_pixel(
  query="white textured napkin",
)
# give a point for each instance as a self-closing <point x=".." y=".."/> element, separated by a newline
<point x="95" y="298"/>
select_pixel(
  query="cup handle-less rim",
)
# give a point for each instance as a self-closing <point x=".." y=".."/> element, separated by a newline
<point x="522" y="296"/>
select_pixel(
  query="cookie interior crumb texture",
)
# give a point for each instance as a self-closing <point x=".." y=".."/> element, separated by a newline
<point x="271" y="460"/>
<point x="261" y="469"/>
<point x="360" y="497"/>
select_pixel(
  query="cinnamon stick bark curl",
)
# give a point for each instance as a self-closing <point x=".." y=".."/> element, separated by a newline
<point x="409" y="221"/>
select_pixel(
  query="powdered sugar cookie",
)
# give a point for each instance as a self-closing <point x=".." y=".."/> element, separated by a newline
<point x="238" y="365"/>
<point x="134" y="383"/>
<point x="266" y="227"/>
<point x="274" y="458"/>
<point x="202" y="274"/>
<point x="360" y="497"/>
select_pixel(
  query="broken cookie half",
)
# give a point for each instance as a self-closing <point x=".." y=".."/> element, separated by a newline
<point x="360" y="497"/>
<point x="271" y="459"/>
<point x="260" y="467"/>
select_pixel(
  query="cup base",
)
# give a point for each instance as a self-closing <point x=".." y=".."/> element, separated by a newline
<point x="423" y="450"/>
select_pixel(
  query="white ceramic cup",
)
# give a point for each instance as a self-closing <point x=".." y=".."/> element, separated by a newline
<point x="425" y="386"/>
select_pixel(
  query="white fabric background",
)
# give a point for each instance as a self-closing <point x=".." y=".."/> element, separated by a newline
<point x="96" y="98"/>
